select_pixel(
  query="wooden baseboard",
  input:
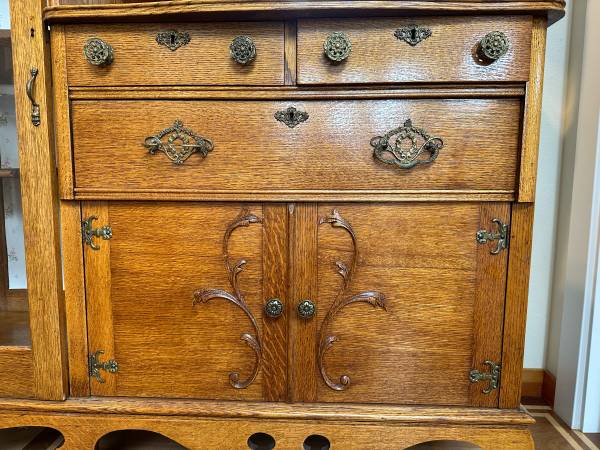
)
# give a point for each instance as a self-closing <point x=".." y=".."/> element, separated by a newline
<point x="538" y="383"/>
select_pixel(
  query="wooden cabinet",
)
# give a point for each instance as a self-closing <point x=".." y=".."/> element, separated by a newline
<point x="299" y="223"/>
<point x="399" y="290"/>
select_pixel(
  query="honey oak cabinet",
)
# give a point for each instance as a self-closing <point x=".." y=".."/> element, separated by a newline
<point x="289" y="224"/>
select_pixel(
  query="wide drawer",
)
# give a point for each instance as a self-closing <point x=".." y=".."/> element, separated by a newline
<point x="417" y="49"/>
<point x="141" y="146"/>
<point x="175" y="54"/>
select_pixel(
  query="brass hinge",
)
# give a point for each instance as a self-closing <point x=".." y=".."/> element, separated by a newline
<point x="88" y="232"/>
<point x="484" y="236"/>
<point x="475" y="376"/>
<point x="111" y="366"/>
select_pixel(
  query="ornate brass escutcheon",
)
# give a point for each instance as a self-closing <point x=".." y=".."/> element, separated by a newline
<point x="493" y="46"/>
<point x="242" y="50"/>
<point x="291" y="116"/>
<point x="88" y="232"/>
<point x="173" y="39"/>
<point x="391" y="149"/>
<point x="484" y="236"/>
<point x="95" y="366"/>
<point x="97" y="52"/>
<point x="181" y="143"/>
<point x="412" y="34"/>
<point x="337" y="46"/>
<point x="475" y="376"/>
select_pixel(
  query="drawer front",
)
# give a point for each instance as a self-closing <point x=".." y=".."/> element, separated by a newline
<point x="448" y="52"/>
<point x="196" y="54"/>
<point x="337" y="147"/>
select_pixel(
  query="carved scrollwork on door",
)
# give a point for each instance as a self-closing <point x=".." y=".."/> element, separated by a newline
<point x="234" y="269"/>
<point x="343" y="299"/>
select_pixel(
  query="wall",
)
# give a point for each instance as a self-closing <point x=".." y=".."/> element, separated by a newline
<point x="547" y="193"/>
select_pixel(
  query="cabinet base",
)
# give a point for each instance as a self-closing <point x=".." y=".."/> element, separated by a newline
<point x="355" y="427"/>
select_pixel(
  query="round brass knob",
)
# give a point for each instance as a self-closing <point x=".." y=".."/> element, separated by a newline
<point x="97" y="52"/>
<point x="494" y="45"/>
<point x="242" y="49"/>
<point x="274" y="308"/>
<point x="306" y="309"/>
<point x="337" y="46"/>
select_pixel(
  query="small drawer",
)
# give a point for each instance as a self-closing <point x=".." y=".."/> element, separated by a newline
<point x="417" y="49"/>
<point x="277" y="147"/>
<point x="240" y="53"/>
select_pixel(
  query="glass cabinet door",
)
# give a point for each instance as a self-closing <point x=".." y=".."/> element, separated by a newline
<point x="15" y="335"/>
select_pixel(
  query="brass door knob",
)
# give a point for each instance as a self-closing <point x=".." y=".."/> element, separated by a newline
<point x="337" y="46"/>
<point x="242" y="49"/>
<point x="306" y="309"/>
<point x="494" y="45"/>
<point x="274" y="308"/>
<point x="97" y="52"/>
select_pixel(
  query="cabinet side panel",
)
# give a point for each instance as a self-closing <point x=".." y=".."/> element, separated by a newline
<point x="516" y="304"/>
<point x="533" y="113"/>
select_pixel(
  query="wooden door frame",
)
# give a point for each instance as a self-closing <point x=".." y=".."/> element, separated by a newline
<point x="40" y="199"/>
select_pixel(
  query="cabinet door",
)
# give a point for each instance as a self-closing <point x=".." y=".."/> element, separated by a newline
<point x="407" y="303"/>
<point x="175" y="299"/>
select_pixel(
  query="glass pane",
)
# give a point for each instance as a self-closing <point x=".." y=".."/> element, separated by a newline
<point x="14" y="318"/>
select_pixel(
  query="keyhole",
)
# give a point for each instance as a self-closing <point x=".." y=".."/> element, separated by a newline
<point x="291" y="115"/>
<point x="172" y="38"/>
<point x="413" y="34"/>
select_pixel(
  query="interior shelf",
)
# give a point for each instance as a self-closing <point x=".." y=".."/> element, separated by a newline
<point x="9" y="173"/>
<point x="14" y="328"/>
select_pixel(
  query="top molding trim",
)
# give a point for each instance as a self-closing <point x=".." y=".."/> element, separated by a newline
<point x="214" y="9"/>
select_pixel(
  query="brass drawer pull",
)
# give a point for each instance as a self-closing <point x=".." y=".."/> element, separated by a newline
<point x="337" y="46"/>
<point x="98" y="53"/>
<point x="180" y="144"/>
<point x="412" y="34"/>
<point x="173" y="39"/>
<point x="306" y="309"/>
<point x="494" y="45"/>
<point x="35" y="107"/>
<point x="274" y="308"/>
<point x="291" y="116"/>
<point x="393" y="152"/>
<point x="242" y="50"/>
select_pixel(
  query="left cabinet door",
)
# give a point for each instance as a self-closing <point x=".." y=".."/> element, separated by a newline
<point x="176" y="294"/>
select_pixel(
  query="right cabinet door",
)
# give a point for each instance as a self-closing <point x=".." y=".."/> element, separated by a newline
<point x="410" y="300"/>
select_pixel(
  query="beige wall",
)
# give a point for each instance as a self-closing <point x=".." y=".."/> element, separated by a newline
<point x="538" y="343"/>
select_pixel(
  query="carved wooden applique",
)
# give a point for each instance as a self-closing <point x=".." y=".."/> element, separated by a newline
<point x="374" y="298"/>
<point x="237" y="298"/>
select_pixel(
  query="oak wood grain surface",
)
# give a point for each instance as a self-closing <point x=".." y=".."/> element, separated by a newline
<point x="140" y="60"/>
<point x="16" y="367"/>
<point x="533" y="113"/>
<point x="213" y="9"/>
<point x="517" y="290"/>
<point x="211" y="434"/>
<point x="449" y="54"/>
<point x="141" y="286"/>
<point x="39" y="191"/>
<point x="331" y="150"/>
<point x="424" y="259"/>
